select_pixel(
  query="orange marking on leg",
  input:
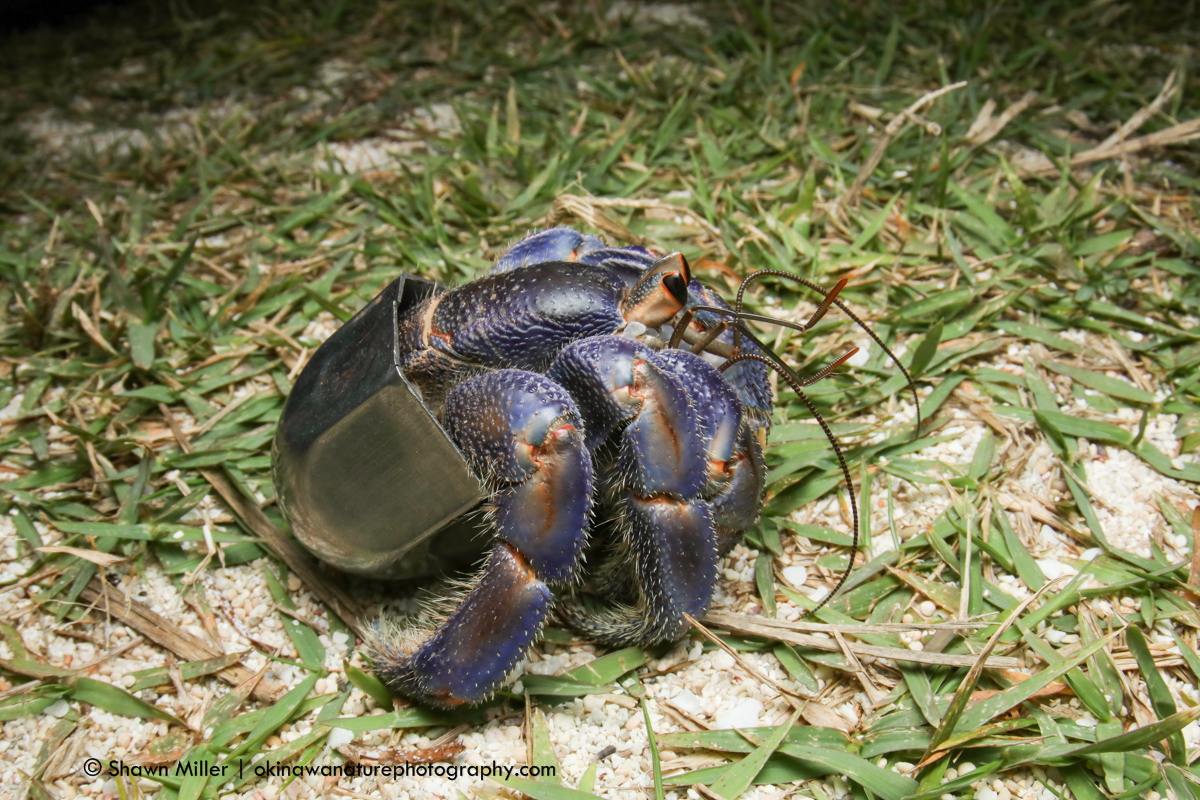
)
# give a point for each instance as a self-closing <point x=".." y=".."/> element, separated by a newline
<point x="525" y="573"/>
<point x="717" y="469"/>
<point x="446" y="699"/>
<point x="427" y="328"/>
<point x="548" y="488"/>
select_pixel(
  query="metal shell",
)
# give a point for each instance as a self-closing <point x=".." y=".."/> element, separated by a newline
<point x="364" y="473"/>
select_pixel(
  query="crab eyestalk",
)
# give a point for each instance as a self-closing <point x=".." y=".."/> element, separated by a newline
<point x="660" y="294"/>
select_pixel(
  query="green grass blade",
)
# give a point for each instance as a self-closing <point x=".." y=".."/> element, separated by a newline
<point x="739" y="776"/>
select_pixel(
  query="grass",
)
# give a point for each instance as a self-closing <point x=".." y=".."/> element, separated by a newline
<point x="171" y="254"/>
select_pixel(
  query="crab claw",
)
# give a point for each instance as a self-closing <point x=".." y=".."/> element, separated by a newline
<point x="599" y="374"/>
<point x="718" y="411"/>
<point x="663" y="465"/>
<point x="674" y="553"/>
<point x="662" y="452"/>
<point x="737" y="505"/>
<point x="660" y="294"/>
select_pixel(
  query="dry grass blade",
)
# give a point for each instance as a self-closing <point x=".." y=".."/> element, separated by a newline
<point x="90" y="328"/>
<point x="100" y="659"/>
<point x="94" y="556"/>
<point x="440" y="751"/>
<point x="813" y="712"/>
<point x="647" y="203"/>
<point x="963" y="695"/>
<point x="1144" y="114"/>
<point x="874" y="693"/>
<point x="749" y="626"/>
<point x="1194" y="570"/>
<point x="1176" y="134"/>
<point x="587" y="210"/>
<point x="986" y="127"/>
<point x="889" y="133"/>
<point x="165" y="633"/>
<point x="297" y="559"/>
<point x="721" y="617"/>
<point x="712" y="637"/>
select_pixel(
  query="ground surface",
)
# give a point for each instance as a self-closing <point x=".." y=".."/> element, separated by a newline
<point x="193" y="199"/>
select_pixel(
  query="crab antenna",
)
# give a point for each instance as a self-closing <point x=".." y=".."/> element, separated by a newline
<point x="813" y="320"/>
<point x="795" y="385"/>
<point x="826" y="303"/>
<point x="707" y="342"/>
<point x="830" y="299"/>
<point x="828" y="370"/>
<point x="686" y="320"/>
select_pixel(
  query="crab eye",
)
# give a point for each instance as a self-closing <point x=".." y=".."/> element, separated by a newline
<point x="674" y="283"/>
<point x="660" y="293"/>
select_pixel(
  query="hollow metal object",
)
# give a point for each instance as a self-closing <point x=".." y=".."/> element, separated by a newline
<point x="364" y="473"/>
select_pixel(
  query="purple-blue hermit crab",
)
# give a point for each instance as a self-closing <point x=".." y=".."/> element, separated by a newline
<point x="611" y="411"/>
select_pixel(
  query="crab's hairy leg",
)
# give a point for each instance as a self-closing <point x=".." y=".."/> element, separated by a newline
<point x="675" y="560"/>
<point x="661" y="472"/>
<point x="523" y="436"/>
<point x="737" y="507"/>
<point x="736" y="470"/>
<point x="552" y="244"/>
<point x="522" y="318"/>
<point x="717" y="408"/>
<point x="598" y="372"/>
<point x="471" y="653"/>
<point x="630" y="262"/>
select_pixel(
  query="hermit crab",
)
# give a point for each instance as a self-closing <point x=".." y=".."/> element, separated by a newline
<point x="586" y="421"/>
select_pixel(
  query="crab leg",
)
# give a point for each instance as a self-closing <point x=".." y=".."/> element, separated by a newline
<point x="737" y="505"/>
<point x="661" y="472"/>
<point x="523" y="436"/>
<point x="736" y="470"/>
<point x="749" y="379"/>
<point x="523" y="314"/>
<point x="552" y="244"/>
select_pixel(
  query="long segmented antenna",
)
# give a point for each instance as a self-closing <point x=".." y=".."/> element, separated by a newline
<point x="826" y="300"/>
<point x="795" y="385"/>
<point x="681" y="329"/>
<point x="794" y="381"/>
<point x="707" y="342"/>
<point x="830" y="298"/>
